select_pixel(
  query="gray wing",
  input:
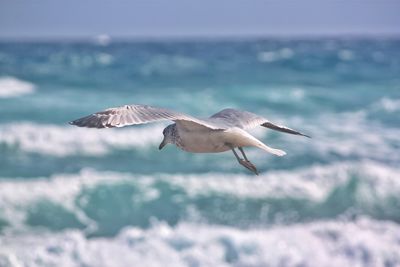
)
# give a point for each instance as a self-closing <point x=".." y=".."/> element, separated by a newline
<point x="137" y="114"/>
<point x="247" y="120"/>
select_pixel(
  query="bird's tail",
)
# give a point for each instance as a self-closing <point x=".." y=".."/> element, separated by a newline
<point x="271" y="150"/>
<point x="252" y="141"/>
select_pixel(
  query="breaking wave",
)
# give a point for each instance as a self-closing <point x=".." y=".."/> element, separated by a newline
<point x="347" y="136"/>
<point x="13" y="87"/>
<point x="87" y="200"/>
<point x="387" y="104"/>
<point x="363" y="242"/>
<point x="271" y="56"/>
<point x="67" y="140"/>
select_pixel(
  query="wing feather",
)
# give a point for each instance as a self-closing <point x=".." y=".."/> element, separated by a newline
<point x="247" y="120"/>
<point x="137" y="114"/>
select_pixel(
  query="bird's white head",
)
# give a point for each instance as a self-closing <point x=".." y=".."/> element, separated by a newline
<point x="169" y="133"/>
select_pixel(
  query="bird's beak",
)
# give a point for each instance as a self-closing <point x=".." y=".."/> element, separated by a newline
<point x="163" y="143"/>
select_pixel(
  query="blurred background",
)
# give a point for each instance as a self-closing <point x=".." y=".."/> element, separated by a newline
<point x="84" y="197"/>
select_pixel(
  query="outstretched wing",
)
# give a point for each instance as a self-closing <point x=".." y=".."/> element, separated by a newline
<point x="136" y="114"/>
<point x="247" y="120"/>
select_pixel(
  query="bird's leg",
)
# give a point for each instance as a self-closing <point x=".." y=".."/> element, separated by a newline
<point x="242" y="151"/>
<point x="248" y="163"/>
<point x="244" y="162"/>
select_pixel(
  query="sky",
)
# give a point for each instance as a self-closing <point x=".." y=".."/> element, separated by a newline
<point x="22" y="19"/>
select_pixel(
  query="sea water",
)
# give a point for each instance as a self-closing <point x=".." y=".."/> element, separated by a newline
<point x="86" y="197"/>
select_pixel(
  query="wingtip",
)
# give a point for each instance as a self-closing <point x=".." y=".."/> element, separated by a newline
<point x="280" y="153"/>
<point x="73" y="123"/>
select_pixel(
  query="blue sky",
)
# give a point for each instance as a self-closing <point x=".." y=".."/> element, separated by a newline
<point x="182" y="18"/>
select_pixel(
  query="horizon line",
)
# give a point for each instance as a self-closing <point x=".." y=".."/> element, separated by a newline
<point x="197" y="37"/>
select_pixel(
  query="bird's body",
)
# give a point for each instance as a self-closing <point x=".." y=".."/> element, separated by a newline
<point x="215" y="141"/>
<point x="200" y="140"/>
<point x="205" y="140"/>
<point x="224" y="131"/>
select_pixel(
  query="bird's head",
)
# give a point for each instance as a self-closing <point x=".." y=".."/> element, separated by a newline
<point x="169" y="135"/>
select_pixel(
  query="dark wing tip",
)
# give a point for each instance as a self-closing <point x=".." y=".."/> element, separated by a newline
<point x="299" y="133"/>
<point x="74" y="122"/>
<point x="88" y="122"/>
<point x="78" y="122"/>
<point x="283" y="129"/>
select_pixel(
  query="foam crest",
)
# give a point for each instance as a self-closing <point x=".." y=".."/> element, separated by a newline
<point x="13" y="87"/>
<point x="345" y="55"/>
<point x="387" y="104"/>
<point x="363" y="242"/>
<point x="378" y="183"/>
<point x="18" y="194"/>
<point x="67" y="140"/>
<point x="313" y="183"/>
<point x="271" y="56"/>
<point x="295" y="94"/>
<point x="103" y="39"/>
<point x="347" y="135"/>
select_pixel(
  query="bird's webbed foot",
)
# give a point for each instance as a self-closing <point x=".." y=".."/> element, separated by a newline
<point x="245" y="162"/>
<point x="248" y="165"/>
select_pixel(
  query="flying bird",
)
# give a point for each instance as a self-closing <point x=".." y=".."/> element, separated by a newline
<point x="223" y="131"/>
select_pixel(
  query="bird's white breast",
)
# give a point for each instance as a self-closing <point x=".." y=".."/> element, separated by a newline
<point x="202" y="140"/>
<point x="205" y="140"/>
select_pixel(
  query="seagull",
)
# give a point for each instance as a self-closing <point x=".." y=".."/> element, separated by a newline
<point x="223" y="131"/>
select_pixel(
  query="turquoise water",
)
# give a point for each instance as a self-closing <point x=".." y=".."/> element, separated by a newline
<point x="85" y="197"/>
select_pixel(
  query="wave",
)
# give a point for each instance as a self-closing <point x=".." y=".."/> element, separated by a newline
<point x="170" y="65"/>
<point x="103" y="39"/>
<point x="271" y="56"/>
<point x="88" y="199"/>
<point x="67" y="140"/>
<point x="284" y="96"/>
<point x="387" y="104"/>
<point x="346" y="136"/>
<point x="363" y="242"/>
<point x="13" y="87"/>
<point x="345" y="55"/>
<point x="81" y="60"/>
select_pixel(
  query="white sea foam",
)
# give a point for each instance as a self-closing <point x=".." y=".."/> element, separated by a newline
<point x="387" y="104"/>
<point x="17" y="195"/>
<point x="103" y="39"/>
<point x="13" y="87"/>
<point x="295" y="94"/>
<point x="347" y="135"/>
<point x="379" y="182"/>
<point x="363" y="242"/>
<point x="104" y="58"/>
<point x="313" y="183"/>
<point x="68" y="140"/>
<point x="271" y="56"/>
<point x="346" y="55"/>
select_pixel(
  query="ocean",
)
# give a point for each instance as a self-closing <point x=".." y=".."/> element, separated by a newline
<point x="72" y="196"/>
